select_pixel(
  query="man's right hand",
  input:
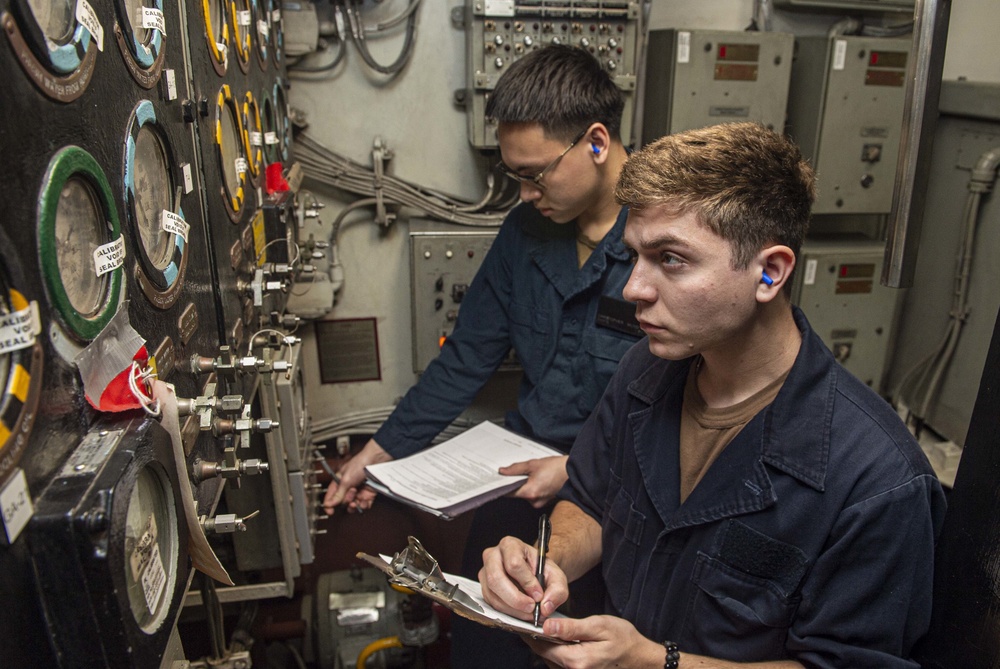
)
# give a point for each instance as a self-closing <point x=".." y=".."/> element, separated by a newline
<point x="352" y="477"/>
<point x="509" y="583"/>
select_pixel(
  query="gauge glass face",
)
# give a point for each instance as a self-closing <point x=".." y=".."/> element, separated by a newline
<point x="153" y="188"/>
<point x="267" y="120"/>
<point x="150" y="549"/>
<point x="134" y="7"/>
<point x="217" y="13"/>
<point x="230" y="150"/>
<point x="55" y="18"/>
<point x="79" y="230"/>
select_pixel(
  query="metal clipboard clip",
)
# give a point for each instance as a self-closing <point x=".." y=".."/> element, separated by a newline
<point x="415" y="568"/>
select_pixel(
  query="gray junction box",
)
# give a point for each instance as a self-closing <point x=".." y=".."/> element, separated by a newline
<point x="846" y="114"/>
<point x="696" y="78"/>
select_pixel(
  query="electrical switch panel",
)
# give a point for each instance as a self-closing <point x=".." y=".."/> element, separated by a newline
<point x="837" y="285"/>
<point x="499" y="32"/>
<point x="443" y="261"/>
<point x="696" y="78"/>
<point x="846" y="114"/>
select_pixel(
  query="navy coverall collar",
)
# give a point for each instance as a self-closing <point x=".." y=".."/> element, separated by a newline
<point x="792" y="441"/>
<point x="551" y="257"/>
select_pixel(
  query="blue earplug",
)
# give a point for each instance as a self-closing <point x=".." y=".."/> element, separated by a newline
<point x="595" y="149"/>
<point x="765" y="278"/>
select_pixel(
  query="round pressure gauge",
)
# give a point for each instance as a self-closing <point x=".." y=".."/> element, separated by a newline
<point x="283" y="121"/>
<point x="262" y="30"/>
<point x="269" y="123"/>
<point x="217" y="33"/>
<point x="253" y="137"/>
<point x="241" y="17"/>
<point x="140" y="31"/>
<point x="151" y="546"/>
<point x="277" y="31"/>
<point x="152" y="204"/>
<point x="20" y="376"/>
<point x="229" y="151"/>
<point x="81" y="249"/>
<point x="55" y="50"/>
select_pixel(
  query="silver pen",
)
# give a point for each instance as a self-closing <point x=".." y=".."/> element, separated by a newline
<point x="544" y="530"/>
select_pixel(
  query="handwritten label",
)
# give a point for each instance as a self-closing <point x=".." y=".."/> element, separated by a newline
<point x="15" y="501"/>
<point x="151" y="18"/>
<point x="109" y="257"/>
<point x="275" y="15"/>
<point x="87" y="17"/>
<point x="241" y="165"/>
<point x="188" y="179"/>
<point x="256" y="138"/>
<point x="173" y="224"/>
<point x="263" y="28"/>
<point x="171" y="79"/>
<point x="683" y="47"/>
<point x="839" y="53"/>
<point x="243" y="17"/>
<point x="18" y="329"/>
<point x="270" y="138"/>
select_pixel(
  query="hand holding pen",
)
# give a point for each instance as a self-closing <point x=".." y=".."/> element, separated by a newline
<point x="544" y="530"/>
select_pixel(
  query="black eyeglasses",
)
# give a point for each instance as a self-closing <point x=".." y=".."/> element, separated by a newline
<point x="536" y="180"/>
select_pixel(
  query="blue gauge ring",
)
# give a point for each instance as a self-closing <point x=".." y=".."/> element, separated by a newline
<point x="72" y="161"/>
<point x="164" y="279"/>
<point x="145" y="54"/>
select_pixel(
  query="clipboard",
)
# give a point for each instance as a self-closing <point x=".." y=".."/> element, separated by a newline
<point x="416" y="569"/>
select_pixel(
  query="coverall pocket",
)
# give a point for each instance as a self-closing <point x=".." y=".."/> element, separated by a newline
<point x="730" y="605"/>
<point x="529" y="334"/>
<point x="621" y="541"/>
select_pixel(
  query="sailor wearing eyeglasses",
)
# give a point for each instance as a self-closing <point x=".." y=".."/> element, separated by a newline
<point x="550" y="288"/>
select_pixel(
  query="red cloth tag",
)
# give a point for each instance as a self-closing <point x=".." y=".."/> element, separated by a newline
<point x="118" y="396"/>
<point x="275" y="181"/>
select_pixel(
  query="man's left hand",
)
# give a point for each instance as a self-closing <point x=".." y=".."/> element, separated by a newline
<point x="604" y="641"/>
<point x="545" y="477"/>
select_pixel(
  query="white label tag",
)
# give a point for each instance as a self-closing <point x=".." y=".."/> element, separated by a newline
<point x="810" y="277"/>
<point x="241" y="165"/>
<point x="152" y="19"/>
<point x="839" y="53"/>
<point x="86" y="15"/>
<point x="270" y="138"/>
<point x="173" y="224"/>
<point x="143" y="549"/>
<point x="171" y="80"/>
<point x="18" y="329"/>
<point x="188" y="180"/>
<point x="109" y="257"/>
<point x="243" y="17"/>
<point x="275" y="15"/>
<point x="263" y="28"/>
<point x="256" y="138"/>
<point x="154" y="579"/>
<point x="15" y="501"/>
<point x="683" y="47"/>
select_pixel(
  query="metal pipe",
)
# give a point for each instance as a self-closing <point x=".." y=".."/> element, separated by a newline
<point x="930" y="32"/>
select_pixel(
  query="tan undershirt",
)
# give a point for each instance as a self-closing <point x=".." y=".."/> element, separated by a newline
<point x="584" y="247"/>
<point x="705" y="432"/>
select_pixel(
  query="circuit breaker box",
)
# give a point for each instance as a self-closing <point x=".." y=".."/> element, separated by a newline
<point x="846" y="114"/>
<point x="696" y="78"/>
<point x="499" y="32"/>
<point x="443" y="261"/>
<point x="837" y="286"/>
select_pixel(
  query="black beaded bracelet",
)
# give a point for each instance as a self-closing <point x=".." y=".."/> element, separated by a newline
<point x="673" y="655"/>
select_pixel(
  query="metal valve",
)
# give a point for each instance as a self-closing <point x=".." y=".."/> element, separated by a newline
<point x="205" y="470"/>
<point x="225" y="523"/>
